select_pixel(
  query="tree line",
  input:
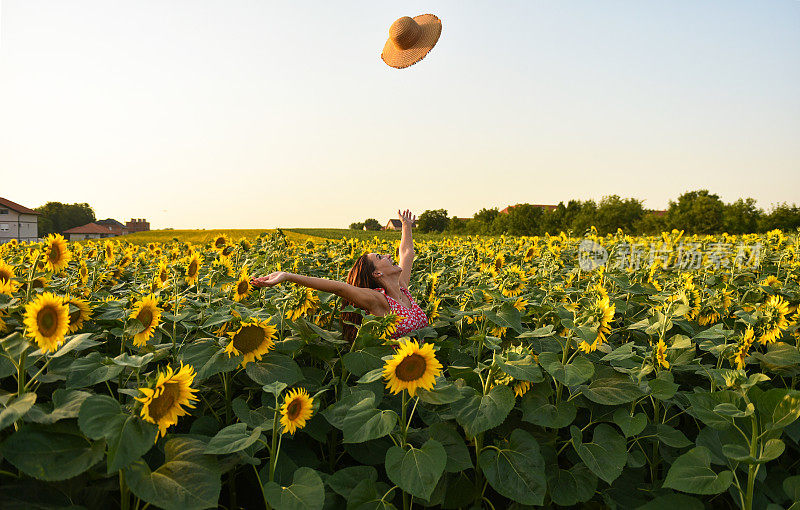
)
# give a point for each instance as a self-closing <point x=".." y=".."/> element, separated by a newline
<point x="55" y="217"/>
<point x="696" y="212"/>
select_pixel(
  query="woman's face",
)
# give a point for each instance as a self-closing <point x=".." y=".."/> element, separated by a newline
<point x="384" y="264"/>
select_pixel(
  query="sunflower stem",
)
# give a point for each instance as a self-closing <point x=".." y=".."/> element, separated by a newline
<point x="261" y="487"/>
<point x="478" y="473"/>
<point x="124" y="496"/>
<point x="273" y="452"/>
<point x="403" y="420"/>
<point x="38" y="373"/>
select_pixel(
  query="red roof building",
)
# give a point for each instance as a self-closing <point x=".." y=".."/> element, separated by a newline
<point x="88" y="231"/>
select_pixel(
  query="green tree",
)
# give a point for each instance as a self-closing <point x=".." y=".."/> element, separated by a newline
<point x="585" y="217"/>
<point x="782" y="216"/>
<point x="458" y="225"/>
<point x="372" y="224"/>
<point x="483" y="221"/>
<point x="614" y="212"/>
<point x="742" y="216"/>
<point x="522" y="220"/>
<point x="357" y="226"/>
<point x="56" y="217"/>
<point x="433" y="221"/>
<point x="697" y="212"/>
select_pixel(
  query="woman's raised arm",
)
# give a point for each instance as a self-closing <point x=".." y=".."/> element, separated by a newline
<point x="406" y="247"/>
<point x="370" y="300"/>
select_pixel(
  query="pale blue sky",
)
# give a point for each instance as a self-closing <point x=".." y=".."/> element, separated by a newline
<point x="251" y="114"/>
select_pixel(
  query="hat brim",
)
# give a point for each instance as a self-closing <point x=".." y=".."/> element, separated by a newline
<point x="399" y="58"/>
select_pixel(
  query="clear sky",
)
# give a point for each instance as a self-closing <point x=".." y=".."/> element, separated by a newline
<point x="258" y="114"/>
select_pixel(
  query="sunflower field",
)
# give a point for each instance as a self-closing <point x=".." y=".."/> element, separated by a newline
<point x="559" y="372"/>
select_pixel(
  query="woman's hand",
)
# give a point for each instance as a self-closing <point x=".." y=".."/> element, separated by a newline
<point x="270" y="280"/>
<point x="406" y="218"/>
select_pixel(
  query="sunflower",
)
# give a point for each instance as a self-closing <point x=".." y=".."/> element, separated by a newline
<point x="108" y="249"/>
<point x="148" y="313"/>
<point x="521" y="387"/>
<point x="744" y="348"/>
<point x="499" y="261"/>
<point x="47" y="321"/>
<point x="57" y="254"/>
<point x="83" y="272"/>
<point x="162" y="274"/>
<point x="7" y="283"/>
<point x="520" y="304"/>
<point x="296" y="409"/>
<point x="223" y="264"/>
<point x="300" y="301"/>
<point x="164" y="403"/>
<point x="514" y="280"/>
<point x="411" y="367"/>
<point x="388" y="325"/>
<point x="433" y="307"/>
<point x="661" y="354"/>
<point x="773" y="319"/>
<point x="193" y="264"/>
<point x="125" y="261"/>
<point x="80" y="315"/>
<point x="242" y="286"/>
<point x="771" y="281"/>
<point x="220" y="242"/>
<point x="601" y="315"/>
<point x="253" y="339"/>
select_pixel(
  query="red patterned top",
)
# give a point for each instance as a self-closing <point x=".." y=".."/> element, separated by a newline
<point x="414" y="319"/>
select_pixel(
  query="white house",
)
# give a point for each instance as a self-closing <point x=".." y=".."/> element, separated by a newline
<point x="18" y="222"/>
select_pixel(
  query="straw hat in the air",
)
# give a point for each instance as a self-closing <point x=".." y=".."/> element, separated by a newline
<point x="410" y="39"/>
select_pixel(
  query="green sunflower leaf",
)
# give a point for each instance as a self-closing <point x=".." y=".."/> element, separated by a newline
<point x="306" y="492"/>
<point x="692" y="473"/>
<point x="416" y="470"/>
<point x="187" y="480"/>
<point x="233" y="438"/>
<point x="515" y="469"/>
<point x="479" y="413"/>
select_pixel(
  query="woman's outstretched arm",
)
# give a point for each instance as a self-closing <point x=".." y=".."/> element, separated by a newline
<point x="406" y="247"/>
<point x="368" y="299"/>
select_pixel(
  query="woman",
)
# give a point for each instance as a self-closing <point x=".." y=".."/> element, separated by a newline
<point x="374" y="284"/>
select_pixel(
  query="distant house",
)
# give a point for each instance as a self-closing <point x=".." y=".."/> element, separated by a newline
<point x="396" y="225"/>
<point x="137" y="225"/>
<point x="540" y="206"/>
<point x="113" y="226"/>
<point x="18" y="222"/>
<point x="88" y="231"/>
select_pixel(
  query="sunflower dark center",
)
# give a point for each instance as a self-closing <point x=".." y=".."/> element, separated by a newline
<point x="193" y="268"/>
<point x="161" y="405"/>
<point x="5" y="275"/>
<point x="47" y="320"/>
<point x="248" y="339"/>
<point x="55" y="254"/>
<point x="219" y="243"/>
<point x="145" y="316"/>
<point x="162" y="275"/>
<point x="293" y="409"/>
<point x="411" y="368"/>
<point x="242" y="287"/>
<point x="38" y="283"/>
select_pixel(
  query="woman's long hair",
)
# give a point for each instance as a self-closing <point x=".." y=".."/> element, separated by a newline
<point x="360" y="275"/>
